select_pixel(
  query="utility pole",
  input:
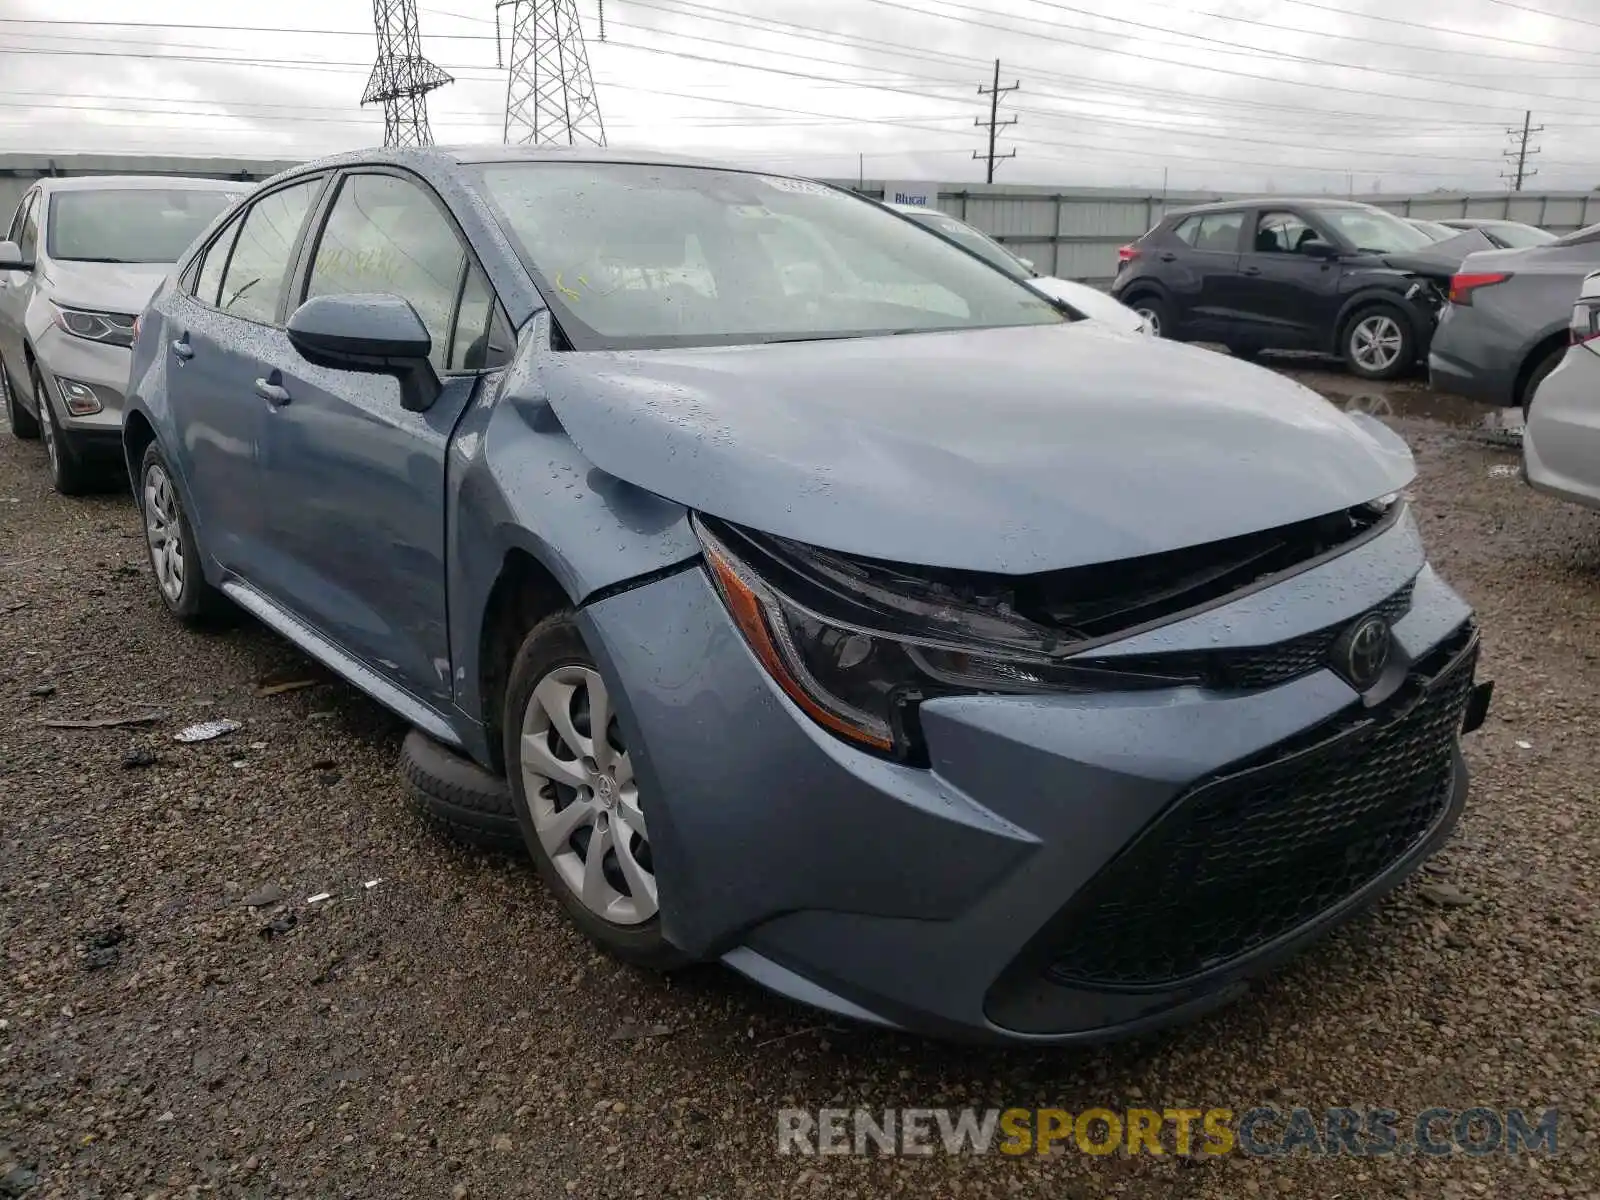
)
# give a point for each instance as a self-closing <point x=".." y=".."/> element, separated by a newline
<point x="993" y="92"/>
<point x="402" y="78"/>
<point x="550" y="98"/>
<point x="1521" y="152"/>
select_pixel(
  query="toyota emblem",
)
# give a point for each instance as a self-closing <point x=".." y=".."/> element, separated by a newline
<point x="1362" y="651"/>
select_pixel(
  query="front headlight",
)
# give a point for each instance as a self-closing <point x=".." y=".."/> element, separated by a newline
<point x="859" y="646"/>
<point x="114" y="329"/>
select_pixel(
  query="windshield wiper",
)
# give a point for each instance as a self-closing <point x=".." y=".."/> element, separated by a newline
<point x="94" y="260"/>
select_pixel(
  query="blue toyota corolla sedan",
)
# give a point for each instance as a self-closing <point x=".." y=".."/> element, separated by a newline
<point x="815" y="597"/>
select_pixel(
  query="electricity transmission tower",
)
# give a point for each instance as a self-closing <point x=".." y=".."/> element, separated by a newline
<point x="402" y="78"/>
<point x="1519" y="150"/>
<point x="550" y="98"/>
<point x="993" y="92"/>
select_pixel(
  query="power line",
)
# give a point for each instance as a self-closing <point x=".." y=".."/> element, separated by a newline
<point x="1224" y="46"/>
<point x="987" y="22"/>
<point x="829" y="37"/>
<point x="994" y="92"/>
<point x="1387" y="43"/>
<point x="1347" y="13"/>
<point x="1543" y="12"/>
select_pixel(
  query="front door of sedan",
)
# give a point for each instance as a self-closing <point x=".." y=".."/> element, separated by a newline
<point x="1285" y="295"/>
<point x="217" y="330"/>
<point x="354" y="484"/>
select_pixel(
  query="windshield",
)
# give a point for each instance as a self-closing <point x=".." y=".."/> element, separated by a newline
<point x="1373" y="231"/>
<point x="633" y="256"/>
<point x="132" y="225"/>
<point x="969" y="238"/>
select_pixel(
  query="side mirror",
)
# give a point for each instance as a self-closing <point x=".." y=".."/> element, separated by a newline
<point x="1317" y="248"/>
<point x="11" y="258"/>
<point x="1027" y="262"/>
<point x="377" y="334"/>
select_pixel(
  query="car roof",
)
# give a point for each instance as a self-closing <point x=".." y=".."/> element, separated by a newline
<point x="1268" y="202"/>
<point x="446" y="157"/>
<point x="125" y="183"/>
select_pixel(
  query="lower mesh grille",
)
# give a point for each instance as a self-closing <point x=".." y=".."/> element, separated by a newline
<point x="1247" y="858"/>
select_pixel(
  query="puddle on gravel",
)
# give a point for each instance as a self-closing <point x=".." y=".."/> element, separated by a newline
<point x="1419" y="405"/>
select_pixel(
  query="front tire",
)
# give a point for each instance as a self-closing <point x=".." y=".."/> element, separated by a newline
<point x="23" y="426"/>
<point x="576" y="798"/>
<point x="1378" y="343"/>
<point x="174" y="555"/>
<point x="69" y="474"/>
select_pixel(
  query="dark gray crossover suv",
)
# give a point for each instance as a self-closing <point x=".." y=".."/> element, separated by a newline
<point x="813" y="596"/>
<point x="1279" y="274"/>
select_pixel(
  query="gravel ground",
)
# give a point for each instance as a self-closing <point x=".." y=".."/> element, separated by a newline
<point x="176" y="1018"/>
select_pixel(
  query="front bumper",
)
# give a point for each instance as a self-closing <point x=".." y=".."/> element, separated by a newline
<point x="938" y="899"/>
<point x="1561" y="444"/>
<point x="1467" y="358"/>
<point x="102" y="368"/>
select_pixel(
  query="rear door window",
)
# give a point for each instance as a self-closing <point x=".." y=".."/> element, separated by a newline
<point x="1188" y="230"/>
<point x="1220" y="232"/>
<point x="208" y="281"/>
<point x="258" y="269"/>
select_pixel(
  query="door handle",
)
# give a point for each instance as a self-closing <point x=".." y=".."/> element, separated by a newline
<point x="1251" y="271"/>
<point x="274" y="394"/>
<point x="1168" y="256"/>
<point x="181" y="347"/>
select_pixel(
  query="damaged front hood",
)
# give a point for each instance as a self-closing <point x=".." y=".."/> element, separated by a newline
<point x="1011" y="450"/>
<point x="1441" y="259"/>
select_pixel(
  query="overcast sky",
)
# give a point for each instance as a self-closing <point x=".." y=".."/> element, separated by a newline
<point x="1331" y="95"/>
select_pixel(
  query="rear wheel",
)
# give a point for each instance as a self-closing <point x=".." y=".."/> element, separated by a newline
<point x="576" y="797"/>
<point x="68" y="472"/>
<point x="1378" y="343"/>
<point x="22" y="423"/>
<point x="1155" y="311"/>
<point x="174" y="556"/>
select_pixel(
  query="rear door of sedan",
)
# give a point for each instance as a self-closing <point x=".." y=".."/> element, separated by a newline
<point x="353" y="483"/>
<point x="220" y="324"/>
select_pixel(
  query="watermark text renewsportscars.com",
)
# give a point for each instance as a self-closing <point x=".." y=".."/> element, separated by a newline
<point x="1186" y="1132"/>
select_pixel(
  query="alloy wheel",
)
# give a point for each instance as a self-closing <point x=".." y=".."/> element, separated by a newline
<point x="1376" y="342"/>
<point x="1152" y="320"/>
<point x="163" y="532"/>
<point x="47" y="424"/>
<point x="582" y="796"/>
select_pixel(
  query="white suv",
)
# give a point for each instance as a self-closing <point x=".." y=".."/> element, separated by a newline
<point x="80" y="260"/>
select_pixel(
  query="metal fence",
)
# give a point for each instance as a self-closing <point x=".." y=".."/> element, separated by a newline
<point x="1072" y="233"/>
